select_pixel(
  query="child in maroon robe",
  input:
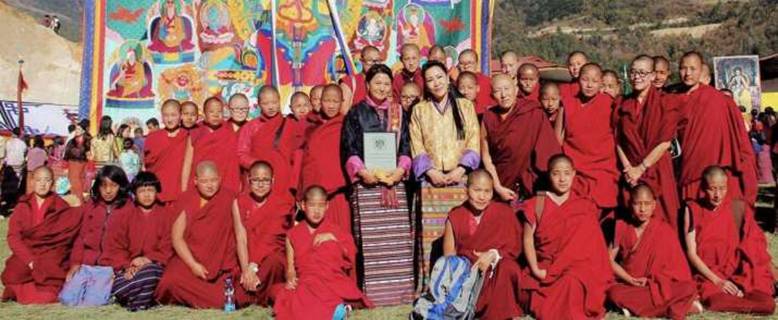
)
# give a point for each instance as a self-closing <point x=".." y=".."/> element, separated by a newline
<point x="410" y="56"/>
<point x="208" y="248"/>
<point x="271" y="138"/>
<point x="137" y="245"/>
<point x="569" y="270"/>
<point x="467" y="85"/>
<point x="353" y="85"/>
<point x="589" y="139"/>
<point x="551" y="101"/>
<point x="728" y="250"/>
<point x="40" y="234"/>
<point x="488" y="234"/>
<point x="216" y="140"/>
<point x="266" y="216"/>
<point x="575" y="62"/>
<point x="529" y="82"/>
<point x="321" y="163"/>
<point x="164" y="150"/>
<point x="320" y="256"/>
<point x="646" y="256"/>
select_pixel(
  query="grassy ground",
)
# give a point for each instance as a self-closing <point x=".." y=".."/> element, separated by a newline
<point x="114" y="312"/>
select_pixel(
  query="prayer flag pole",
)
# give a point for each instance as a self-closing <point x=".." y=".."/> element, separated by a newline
<point x="20" y="87"/>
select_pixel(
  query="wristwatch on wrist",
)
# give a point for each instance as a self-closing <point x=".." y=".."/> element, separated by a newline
<point x="253" y="267"/>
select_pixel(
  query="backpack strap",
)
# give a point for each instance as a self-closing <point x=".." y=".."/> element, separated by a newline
<point x="738" y="213"/>
<point x="540" y="203"/>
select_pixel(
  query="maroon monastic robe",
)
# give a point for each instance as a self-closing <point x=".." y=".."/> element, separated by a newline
<point x="321" y="165"/>
<point x="657" y="256"/>
<point x="219" y="146"/>
<point x="712" y="132"/>
<point x="133" y="233"/>
<point x="163" y="156"/>
<point x="484" y="100"/>
<point x="571" y="248"/>
<point x="520" y="145"/>
<point x="266" y="226"/>
<point x="498" y="229"/>
<point x="639" y="129"/>
<point x="323" y="275"/>
<point x="534" y="95"/>
<point x="739" y="256"/>
<point x="589" y="141"/>
<point x="44" y="236"/>
<point x="210" y="236"/>
<point x="274" y="140"/>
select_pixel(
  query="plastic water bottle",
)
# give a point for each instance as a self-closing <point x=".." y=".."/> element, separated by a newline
<point x="229" y="295"/>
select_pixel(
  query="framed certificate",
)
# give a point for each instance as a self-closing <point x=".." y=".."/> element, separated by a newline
<point x="380" y="151"/>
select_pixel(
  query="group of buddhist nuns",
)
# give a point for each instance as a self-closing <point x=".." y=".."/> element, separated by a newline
<point x="563" y="196"/>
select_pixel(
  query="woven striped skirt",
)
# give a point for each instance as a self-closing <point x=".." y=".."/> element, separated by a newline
<point x="435" y="205"/>
<point x="385" y="239"/>
<point x="137" y="293"/>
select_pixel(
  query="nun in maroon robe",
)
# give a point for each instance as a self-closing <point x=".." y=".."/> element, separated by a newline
<point x="712" y="132"/>
<point x="571" y="248"/>
<point x="217" y="144"/>
<point x="495" y="227"/>
<point x="274" y="140"/>
<point x="656" y="256"/>
<point x="519" y="141"/>
<point x="730" y="243"/>
<point x="40" y="234"/>
<point x="210" y="237"/>
<point x="640" y="128"/>
<point x="163" y="154"/>
<point x="590" y="142"/>
<point x="322" y="273"/>
<point x="321" y="165"/>
<point x="266" y="222"/>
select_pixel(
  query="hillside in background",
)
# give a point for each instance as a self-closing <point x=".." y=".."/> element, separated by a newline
<point x="613" y="32"/>
<point x="70" y="13"/>
<point x="52" y="64"/>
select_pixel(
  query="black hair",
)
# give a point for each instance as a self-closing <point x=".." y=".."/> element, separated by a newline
<point x="105" y="127"/>
<point x="16" y="131"/>
<point x="377" y="69"/>
<point x="152" y="121"/>
<point x="71" y="128"/>
<point x="37" y="142"/>
<point x="451" y="97"/>
<point x="116" y="175"/>
<point x="146" y="179"/>
<point x="127" y="144"/>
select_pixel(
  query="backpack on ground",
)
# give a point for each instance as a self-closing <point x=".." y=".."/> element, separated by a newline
<point x="453" y="293"/>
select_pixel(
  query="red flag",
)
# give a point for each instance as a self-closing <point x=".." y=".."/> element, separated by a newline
<point x="20" y="87"/>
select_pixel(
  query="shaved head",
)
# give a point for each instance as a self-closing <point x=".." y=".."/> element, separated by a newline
<point x="42" y="170"/>
<point x="315" y="192"/>
<point x="641" y="190"/>
<point x="171" y="103"/>
<point x="261" y="165"/>
<point x="478" y="176"/>
<point x="528" y="78"/>
<point x="714" y="172"/>
<point x="206" y="167"/>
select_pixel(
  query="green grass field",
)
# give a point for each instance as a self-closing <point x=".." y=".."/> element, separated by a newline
<point x="114" y="312"/>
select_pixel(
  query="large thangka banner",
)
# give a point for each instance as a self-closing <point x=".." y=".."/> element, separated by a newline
<point x="138" y="53"/>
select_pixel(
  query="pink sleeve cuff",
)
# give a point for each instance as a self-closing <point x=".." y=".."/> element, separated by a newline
<point x="405" y="163"/>
<point x="353" y="165"/>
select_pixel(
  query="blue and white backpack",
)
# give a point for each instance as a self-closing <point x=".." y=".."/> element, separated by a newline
<point x="453" y="292"/>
